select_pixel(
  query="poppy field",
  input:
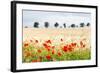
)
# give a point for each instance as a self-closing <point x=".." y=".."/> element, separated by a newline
<point x="44" y="45"/>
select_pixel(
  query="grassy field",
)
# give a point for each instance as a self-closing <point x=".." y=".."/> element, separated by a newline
<point x="44" y="45"/>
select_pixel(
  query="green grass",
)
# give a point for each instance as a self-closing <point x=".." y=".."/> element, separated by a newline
<point x="65" y="56"/>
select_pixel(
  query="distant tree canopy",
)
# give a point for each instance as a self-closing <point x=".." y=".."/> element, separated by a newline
<point x="46" y="24"/>
<point x="64" y="25"/>
<point x="72" y="25"/>
<point x="26" y="26"/>
<point x="88" y="24"/>
<point x="56" y="24"/>
<point x="36" y="24"/>
<point x="82" y="24"/>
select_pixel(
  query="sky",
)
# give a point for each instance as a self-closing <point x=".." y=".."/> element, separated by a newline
<point x="31" y="16"/>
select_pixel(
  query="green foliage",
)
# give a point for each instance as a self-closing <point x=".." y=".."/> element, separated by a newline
<point x="81" y="54"/>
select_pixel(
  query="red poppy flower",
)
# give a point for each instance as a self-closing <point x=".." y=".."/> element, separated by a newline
<point x="73" y="44"/>
<point x="48" y="41"/>
<point x="48" y="57"/>
<point x="39" y="50"/>
<point x="70" y="47"/>
<point x="47" y="46"/>
<point x="53" y="47"/>
<point x="53" y="51"/>
<point x="31" y="40"/>
<point x="81" y="43"/>
<point x="65" y="48"/>
<point x="61" y="39"/>
<point x="84" y="45"/>
<point x="59" y="54"/>
<point x="36" y="41"/>
<point x="26" y="44"/>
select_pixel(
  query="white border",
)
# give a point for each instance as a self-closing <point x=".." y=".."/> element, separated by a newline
<point x="21" y="65"/>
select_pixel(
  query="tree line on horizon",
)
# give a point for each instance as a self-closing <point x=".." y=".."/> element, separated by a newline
<point x="56" y="25"/>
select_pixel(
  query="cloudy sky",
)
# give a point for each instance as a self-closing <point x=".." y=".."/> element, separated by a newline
<point x="29" y="17"/>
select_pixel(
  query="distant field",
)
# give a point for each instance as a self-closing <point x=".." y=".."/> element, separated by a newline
<point x="31" y="33"/>
<point x="41" y="45"/>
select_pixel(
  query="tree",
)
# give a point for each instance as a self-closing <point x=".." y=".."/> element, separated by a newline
<point x="64" y="25"/>
<point x="82" y="24"/>
<point x="72" y="25"/>
<point x="88" y="24"/>
<point x="46" y="24"/>
<point x="56" y="24"/>
<point x="36" y="24"/>
<point x="26" y="26"/>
